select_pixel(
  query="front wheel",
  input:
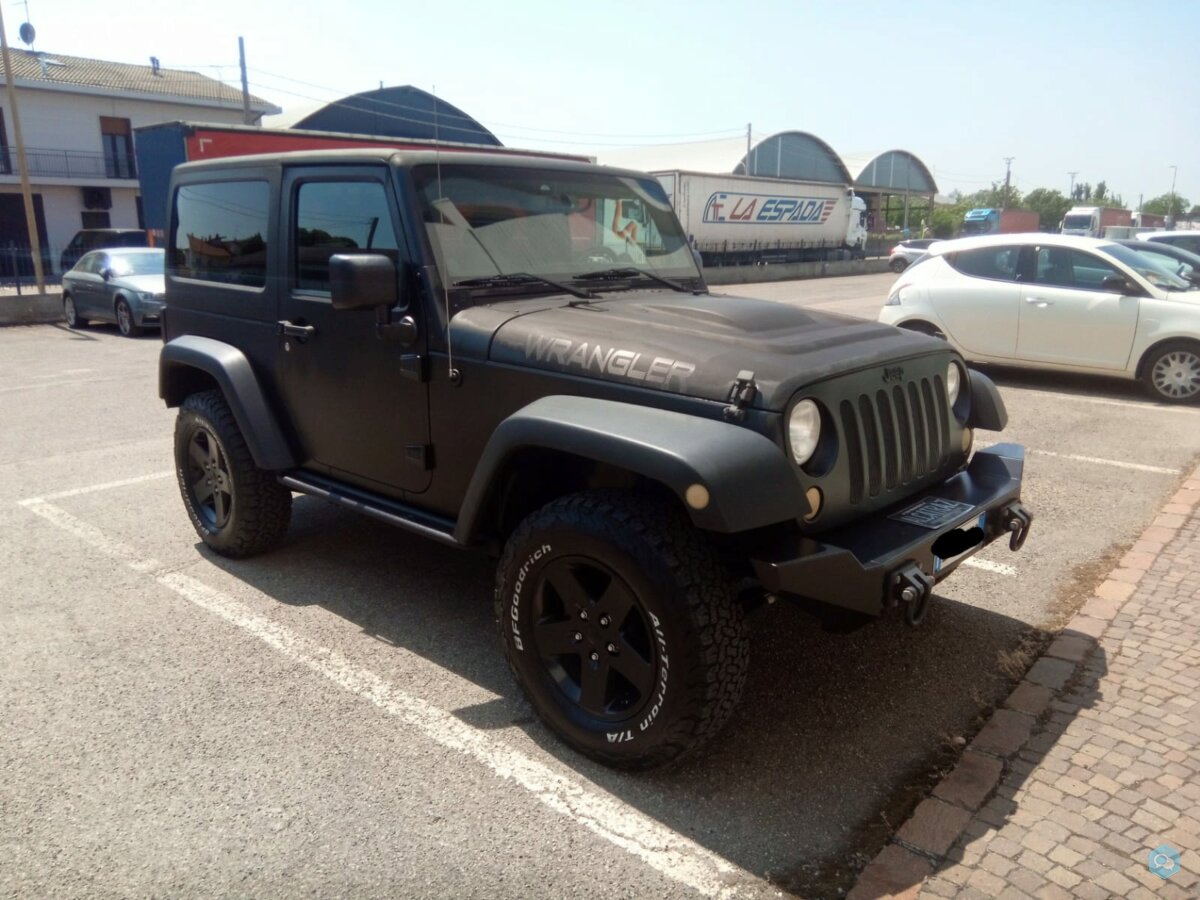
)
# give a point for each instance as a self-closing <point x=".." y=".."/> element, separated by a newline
<point x="237" y="508"/>
<point x="125" y="321"/>
<point x="621" y="627"/>
<point x="1172" y="372"/>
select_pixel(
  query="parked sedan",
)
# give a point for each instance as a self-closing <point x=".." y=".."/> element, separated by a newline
<point x="905" y="253"/>
<point x="118" y="285"/>
<point x="1057" y="302"/>
<point x="1187" y="240"/>
<point x="1182" y="262"/>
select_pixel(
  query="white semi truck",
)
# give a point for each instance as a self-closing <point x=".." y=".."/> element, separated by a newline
<point x="742" y="220"/>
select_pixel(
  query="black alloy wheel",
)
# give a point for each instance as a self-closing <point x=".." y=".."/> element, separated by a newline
<point x="209" y="481"/>
<point x="622" y="626"/>
<point x="593" y="638"/>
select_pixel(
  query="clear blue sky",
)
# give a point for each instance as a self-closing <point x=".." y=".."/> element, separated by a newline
<point x="1102" y="87"/>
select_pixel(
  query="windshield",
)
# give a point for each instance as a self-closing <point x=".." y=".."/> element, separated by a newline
<point x="979" y="226"/>
<point x="484" y="221"/>
<point x="148" y="263"/>
<point x="1083" y="222"/>
<point x="1157" y="273"/>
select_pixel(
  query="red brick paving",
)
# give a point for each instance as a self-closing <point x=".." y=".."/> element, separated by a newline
<point x="1094" y="759"/>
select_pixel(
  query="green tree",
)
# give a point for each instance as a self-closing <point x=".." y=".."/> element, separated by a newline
<point x="1050" y="205"/>
<point x="1163" y="203"/>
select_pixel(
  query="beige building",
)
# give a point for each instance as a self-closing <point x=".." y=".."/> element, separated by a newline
<point x="77" y="121"/>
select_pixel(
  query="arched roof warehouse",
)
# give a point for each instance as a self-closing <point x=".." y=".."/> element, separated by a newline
<point x="896" y="171"/>
<point x="796" y="155"/>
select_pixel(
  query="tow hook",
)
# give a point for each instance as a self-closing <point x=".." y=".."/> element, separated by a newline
<point x="1016" y="519"/>
<point x="913" y="588"/>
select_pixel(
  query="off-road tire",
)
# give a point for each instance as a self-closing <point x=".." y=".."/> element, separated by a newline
<point x="698" y="645"/>
<point x="1166" y="364"/>
<point x="125" y="321"/>
<point x="256" y="515"/>
<point x="71" y="313"/>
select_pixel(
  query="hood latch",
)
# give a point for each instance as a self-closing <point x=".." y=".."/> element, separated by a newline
<point x="741" y="395"/>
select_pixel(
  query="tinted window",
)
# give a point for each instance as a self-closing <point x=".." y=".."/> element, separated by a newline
<point x="339" y="217"/>
<point x="1187" y="242"/>
<point x="1065" y="267"/>
<point x="221" y="232"/>
<point x="999" y="263"/>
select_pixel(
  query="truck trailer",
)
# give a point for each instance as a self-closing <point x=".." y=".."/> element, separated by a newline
<point x="742" y="220"/>
<point x="1090" y="221"/>
<point x="162" y="147"/>
<point x="998" y="221"/>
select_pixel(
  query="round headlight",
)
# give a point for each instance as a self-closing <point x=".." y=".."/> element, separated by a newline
<point x="953" y="382"/>
<point x="804" y="430"/>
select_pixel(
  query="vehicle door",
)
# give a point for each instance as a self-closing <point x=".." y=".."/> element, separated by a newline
<point x="87" y="287"/>
<point x="1068" y="316"/>
<point x="978" y="304"/>
<point x="354" y="392"/>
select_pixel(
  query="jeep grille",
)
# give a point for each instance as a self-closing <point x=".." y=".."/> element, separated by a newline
<point x="895" y="436"/>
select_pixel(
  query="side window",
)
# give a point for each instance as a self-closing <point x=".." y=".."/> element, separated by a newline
<point x="339" y="217"/>
<point x="87" y="263"/>
<point x="997" y="263"/>
<point x="220" y="233"/>
<point x="1069" y="268"/>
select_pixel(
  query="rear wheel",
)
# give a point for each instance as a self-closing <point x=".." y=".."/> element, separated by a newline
<point x="621" y="627"/>
<point x="237" y="508"/>
<point x="1172" y="372"/>
<point x="898" y="265"/>
<point x="71" y="314"/>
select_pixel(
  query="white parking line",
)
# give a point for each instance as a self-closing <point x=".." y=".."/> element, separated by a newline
<point x="1101" y="401"/>
<point x="1116" y="463"/>
<point x="988" y="566"/>
<point x="663" y="849"/>
<point x="108" y="485"/>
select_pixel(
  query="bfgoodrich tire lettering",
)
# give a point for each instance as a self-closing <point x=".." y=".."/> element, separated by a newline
<point x="621" y="627"/>
<point x="236" y="508"/>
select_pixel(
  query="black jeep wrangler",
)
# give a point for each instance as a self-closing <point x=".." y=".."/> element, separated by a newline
<point x="519" y="355"/>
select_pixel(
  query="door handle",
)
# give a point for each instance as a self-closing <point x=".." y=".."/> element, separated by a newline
<point x="1040" y="302"/>
<point x="299" y="331"/>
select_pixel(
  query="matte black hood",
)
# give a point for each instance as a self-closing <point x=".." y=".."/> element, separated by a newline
<point x="685" y="343"/>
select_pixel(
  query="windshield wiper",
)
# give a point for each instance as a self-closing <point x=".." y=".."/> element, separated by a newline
<point x="506" y="279"/>
<point x="630" y="272"/>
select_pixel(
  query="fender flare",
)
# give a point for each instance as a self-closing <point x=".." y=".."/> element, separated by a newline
<point x="749" y="480"/>
<point x="233" y="374"/>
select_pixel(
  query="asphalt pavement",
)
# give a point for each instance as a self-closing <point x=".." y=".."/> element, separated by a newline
<point x="336" y="718"/>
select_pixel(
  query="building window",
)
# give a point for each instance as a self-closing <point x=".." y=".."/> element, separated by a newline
<point x="92" y="219"/>
<point x="117" y="138"/>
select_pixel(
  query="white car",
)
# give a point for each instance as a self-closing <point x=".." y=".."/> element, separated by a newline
<point x="1185" y="240"/>
<point x="1059" y="302"/>
<point x="905" y="253"/>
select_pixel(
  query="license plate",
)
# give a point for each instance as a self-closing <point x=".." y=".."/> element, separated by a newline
<point x="932" y="513"/>
<point x="979" y="526"/>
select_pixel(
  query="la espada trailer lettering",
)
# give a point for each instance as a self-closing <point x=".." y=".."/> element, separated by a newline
<point x="748" y="209"/>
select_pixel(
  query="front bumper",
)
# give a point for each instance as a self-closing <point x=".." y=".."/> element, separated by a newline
<point x="897" y="555"/>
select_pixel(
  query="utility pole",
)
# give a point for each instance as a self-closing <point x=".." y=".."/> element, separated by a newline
<point x="1071" y="189"/>
<point x="1171" y="201"/>
<point x="35" y="245"/>
<point x="247" y="116"/>
<point x="1007" y="171"/>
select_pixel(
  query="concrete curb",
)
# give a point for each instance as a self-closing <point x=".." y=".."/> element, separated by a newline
<point x="922" y="842"/>
<point x="723" y="275"/>
<point x="31" y="309"/>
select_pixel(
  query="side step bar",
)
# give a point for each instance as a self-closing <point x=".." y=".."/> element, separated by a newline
<point x="434" y="527"/>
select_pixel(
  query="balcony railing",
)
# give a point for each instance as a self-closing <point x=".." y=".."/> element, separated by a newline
<point x="68" y="163"/>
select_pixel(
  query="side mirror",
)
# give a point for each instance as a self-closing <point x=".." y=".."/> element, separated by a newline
<point x="363" y="281"/>
<point x="1118" y="284"/>
<point x="106" y="273"/>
